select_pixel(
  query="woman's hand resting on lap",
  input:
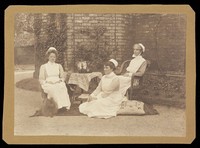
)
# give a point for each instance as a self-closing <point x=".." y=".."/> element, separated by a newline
<point x="90" y="98"/>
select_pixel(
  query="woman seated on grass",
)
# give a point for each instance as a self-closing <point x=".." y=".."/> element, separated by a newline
<point x="52" y="80"/>
<point x="106" y="100"/>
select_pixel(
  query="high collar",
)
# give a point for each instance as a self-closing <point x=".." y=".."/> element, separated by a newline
<point x="51" y="63"/>
<point x="134" y="56"/>
<point x="110" y="75"/>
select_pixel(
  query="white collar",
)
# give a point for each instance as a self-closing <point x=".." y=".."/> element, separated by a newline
<point x="51" y="63"/>
<point x="134" y="56"/>
<point x="110" y="75"/>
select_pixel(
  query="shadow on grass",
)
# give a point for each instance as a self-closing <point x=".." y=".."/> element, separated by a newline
<point x="29" y="84"/>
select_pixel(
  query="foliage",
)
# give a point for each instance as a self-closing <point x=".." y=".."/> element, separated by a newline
<point x="165" y="86"/>
<point x="56" y="32"/>
<point x="24" y="23"/>
<point x="162" y="90"/>
<point x="166" y="82"/>
<point x="95" y="51"/>
<point x="49" y="31"/>
<point x="39" y="47"/>
<point x="24" y="35"/>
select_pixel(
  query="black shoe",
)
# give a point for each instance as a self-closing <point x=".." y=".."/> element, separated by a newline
<point x="61" y="110"/>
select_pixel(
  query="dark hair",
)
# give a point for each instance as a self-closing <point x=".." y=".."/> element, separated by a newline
<point x="52" y="51"/>
<point x="110" y="64"/>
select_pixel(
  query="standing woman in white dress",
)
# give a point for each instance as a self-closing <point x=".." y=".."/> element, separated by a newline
<point x="106" y="99"/>
<point x="136" y="67"/>
<point x="51" y="78"/>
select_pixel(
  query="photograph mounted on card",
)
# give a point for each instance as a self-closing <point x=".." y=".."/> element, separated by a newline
<point x="72" y="69"/>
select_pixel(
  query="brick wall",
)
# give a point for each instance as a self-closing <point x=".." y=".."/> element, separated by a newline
<point x="162" y="35"/>
<point x="114" y="36"/>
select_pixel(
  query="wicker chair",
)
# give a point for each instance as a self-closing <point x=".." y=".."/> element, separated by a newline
<point x="133" y="89"/>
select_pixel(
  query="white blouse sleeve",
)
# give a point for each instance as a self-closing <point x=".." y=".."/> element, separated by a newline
<point x="61" y="73"/>
<point x="42" y="76"/>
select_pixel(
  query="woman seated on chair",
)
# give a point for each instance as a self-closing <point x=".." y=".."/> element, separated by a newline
<point x="136" y="67"/>
<point x="106" y="99"/>
<point x="51" y="78"/>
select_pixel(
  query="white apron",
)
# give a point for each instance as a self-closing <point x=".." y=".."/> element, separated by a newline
<point x="125" y="82"/>
<point x="57" y="91"/>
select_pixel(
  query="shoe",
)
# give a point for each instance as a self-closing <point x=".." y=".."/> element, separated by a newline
<point x="61" y="110"/>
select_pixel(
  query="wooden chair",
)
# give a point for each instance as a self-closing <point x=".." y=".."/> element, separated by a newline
<point x="133" y="89"/>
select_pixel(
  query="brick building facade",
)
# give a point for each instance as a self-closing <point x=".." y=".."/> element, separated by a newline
<point x="114" y="36"/>
<point x="163" y="35"/>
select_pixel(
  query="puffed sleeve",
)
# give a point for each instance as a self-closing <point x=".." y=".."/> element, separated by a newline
<point x="61" y="72"/>
<point x="42" y="76"/>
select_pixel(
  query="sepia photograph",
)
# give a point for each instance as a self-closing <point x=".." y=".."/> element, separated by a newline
<point x="104" y="74"/>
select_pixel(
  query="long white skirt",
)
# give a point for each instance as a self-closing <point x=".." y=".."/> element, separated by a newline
<point x="59" y="93"/>
<point x="125" y="83"/>
<point x="102" y="107"/>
